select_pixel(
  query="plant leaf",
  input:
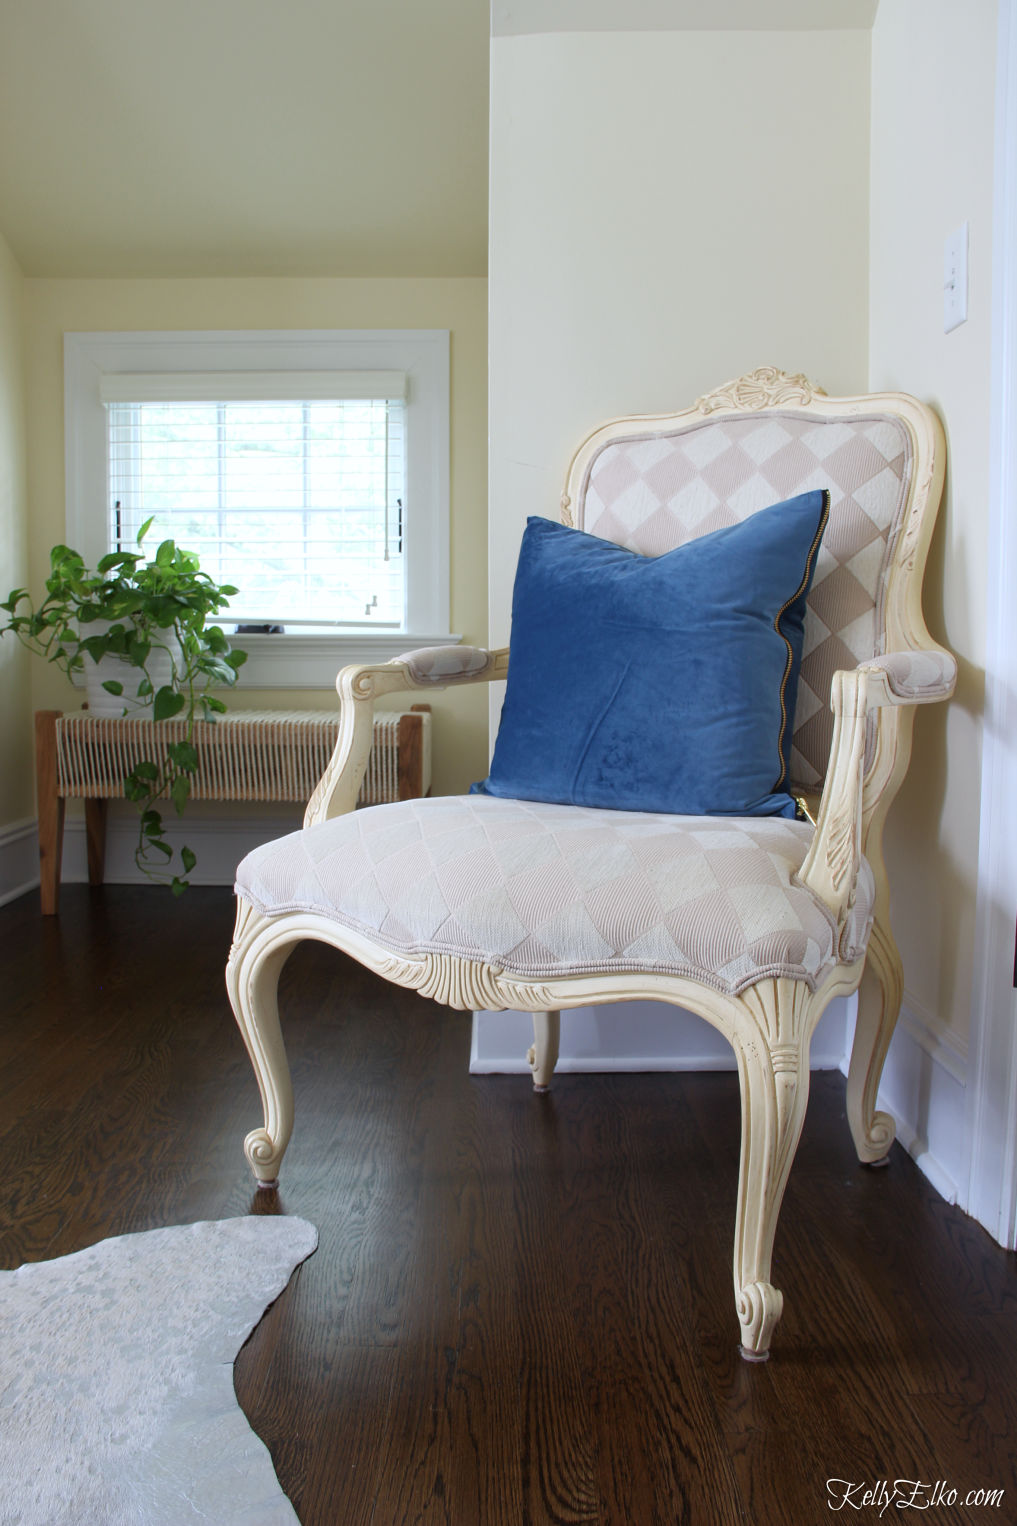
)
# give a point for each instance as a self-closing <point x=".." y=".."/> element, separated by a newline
<point x="159" y="846"/>
<point x="188" y="859"/>
<point x="138" y="648"/>
<point x="180" y="789"/>
<point x="95" y="646"/>
<point x="184" y="755"/>
<point x="168" y="703"/>
<point x="113" y="686"/>
<point x="114" y="559"/>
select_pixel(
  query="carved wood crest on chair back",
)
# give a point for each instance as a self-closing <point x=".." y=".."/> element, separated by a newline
<point x="370" y="884"/>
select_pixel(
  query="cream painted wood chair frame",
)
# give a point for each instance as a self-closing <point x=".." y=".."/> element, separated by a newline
<point x="769" y="1024"/>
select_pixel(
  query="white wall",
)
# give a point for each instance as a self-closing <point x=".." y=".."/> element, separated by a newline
<point x="992" y="1055"/>
<point x="669" y="209"/>
<point x="16" y="843"/>
<point x="933" y="95"/>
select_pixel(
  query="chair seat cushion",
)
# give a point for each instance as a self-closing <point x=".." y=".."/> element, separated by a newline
<point x="540" y="890"/>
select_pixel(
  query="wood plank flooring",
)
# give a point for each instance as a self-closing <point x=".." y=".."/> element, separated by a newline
<point x="520" y="1313"/>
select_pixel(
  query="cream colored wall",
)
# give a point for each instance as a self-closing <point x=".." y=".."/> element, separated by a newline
<point x="16" y="791"/>
<point x="511" y="16"/>
<point x="668" y="210"/>
<point x="933" y="84"/>
<point x="55" y="306"/>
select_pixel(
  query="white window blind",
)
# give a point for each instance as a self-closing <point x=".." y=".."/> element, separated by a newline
<point x="297" y="498"/>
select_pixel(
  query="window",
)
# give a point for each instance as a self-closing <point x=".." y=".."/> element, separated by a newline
<point x="310" y="470"/>
<point x="298" y="501"/>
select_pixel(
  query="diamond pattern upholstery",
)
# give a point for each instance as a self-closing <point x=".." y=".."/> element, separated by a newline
<point x="543" y="890"/>
<point x="651" y="492"/>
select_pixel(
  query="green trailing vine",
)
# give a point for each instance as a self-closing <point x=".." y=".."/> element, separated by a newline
<point x="143" y="607"/>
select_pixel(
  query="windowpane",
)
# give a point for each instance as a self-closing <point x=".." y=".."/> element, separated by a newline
<point x="297" y="503"/>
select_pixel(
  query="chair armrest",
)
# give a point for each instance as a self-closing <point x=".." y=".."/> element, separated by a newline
<point x="437" y="666"/>
<point x="830" y="870"/>
<point x="912" y="678"/>
<point x="358" y="686"/>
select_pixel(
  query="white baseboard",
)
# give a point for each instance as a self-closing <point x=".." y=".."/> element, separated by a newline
<point x="924" y="1080"/>
<point x="219" y="837"/>
<point x="631" y="1036"/>
<point x="219" y="840"/>
<point x="19" y="860"/>
<point x="924" y="1089"/>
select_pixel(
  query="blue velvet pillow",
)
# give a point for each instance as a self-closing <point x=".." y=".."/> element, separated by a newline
<point x="658" y="683"/>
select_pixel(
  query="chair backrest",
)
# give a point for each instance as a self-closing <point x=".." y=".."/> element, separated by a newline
<point x="654" y="482"/>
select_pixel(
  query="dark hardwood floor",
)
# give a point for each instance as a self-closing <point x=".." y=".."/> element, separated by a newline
<point x="521" y="1307"/>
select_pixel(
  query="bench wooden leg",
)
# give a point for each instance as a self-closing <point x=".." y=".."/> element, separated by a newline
<point x="410" y="754"/>
<point x="51" y="810"/>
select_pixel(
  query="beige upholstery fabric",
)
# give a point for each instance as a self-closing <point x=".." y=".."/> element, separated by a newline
<point x="918" y="676"/>
<point x="541" y="890"/>
<point x="653" y="492"/>
<point x="446" y="664"/>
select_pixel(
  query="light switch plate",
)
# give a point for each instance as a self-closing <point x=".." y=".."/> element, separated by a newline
<point x="955" y="280"/>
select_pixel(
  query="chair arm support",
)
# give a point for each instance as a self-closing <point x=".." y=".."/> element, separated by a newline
<point x="830" y="870"/>
<point x="360" y="685"/>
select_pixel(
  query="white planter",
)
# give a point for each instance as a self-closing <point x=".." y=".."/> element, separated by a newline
<point x="160" y="670"/>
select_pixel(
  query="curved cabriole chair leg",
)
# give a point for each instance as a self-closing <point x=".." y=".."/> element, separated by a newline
<point x="773" y="1070"/>
<point x="252" y="980"/>
<point x="879" y="1000"/>
<point x="542" y="1055"/>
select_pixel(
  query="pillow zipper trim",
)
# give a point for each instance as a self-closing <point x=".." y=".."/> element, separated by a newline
<point x="806" y="578"/>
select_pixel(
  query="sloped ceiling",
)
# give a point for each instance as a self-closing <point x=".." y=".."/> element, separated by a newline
<point x="244" y="137"/>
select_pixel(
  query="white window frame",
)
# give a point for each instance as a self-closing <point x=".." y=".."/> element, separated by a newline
<point x="294" y="660"/>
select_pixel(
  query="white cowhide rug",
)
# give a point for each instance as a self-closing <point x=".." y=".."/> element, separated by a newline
<point x="116" y="1379"/>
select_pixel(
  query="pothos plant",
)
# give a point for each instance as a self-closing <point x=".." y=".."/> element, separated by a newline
<point x="139" y="608"/>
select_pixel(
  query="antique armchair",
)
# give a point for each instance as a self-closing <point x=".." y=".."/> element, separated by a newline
<point x="755" y="922"/>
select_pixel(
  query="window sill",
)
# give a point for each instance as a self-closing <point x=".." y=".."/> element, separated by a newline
<point x="312" y="662"/>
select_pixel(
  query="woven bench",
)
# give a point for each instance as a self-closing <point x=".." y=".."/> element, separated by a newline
<point x="250" y="756"/>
